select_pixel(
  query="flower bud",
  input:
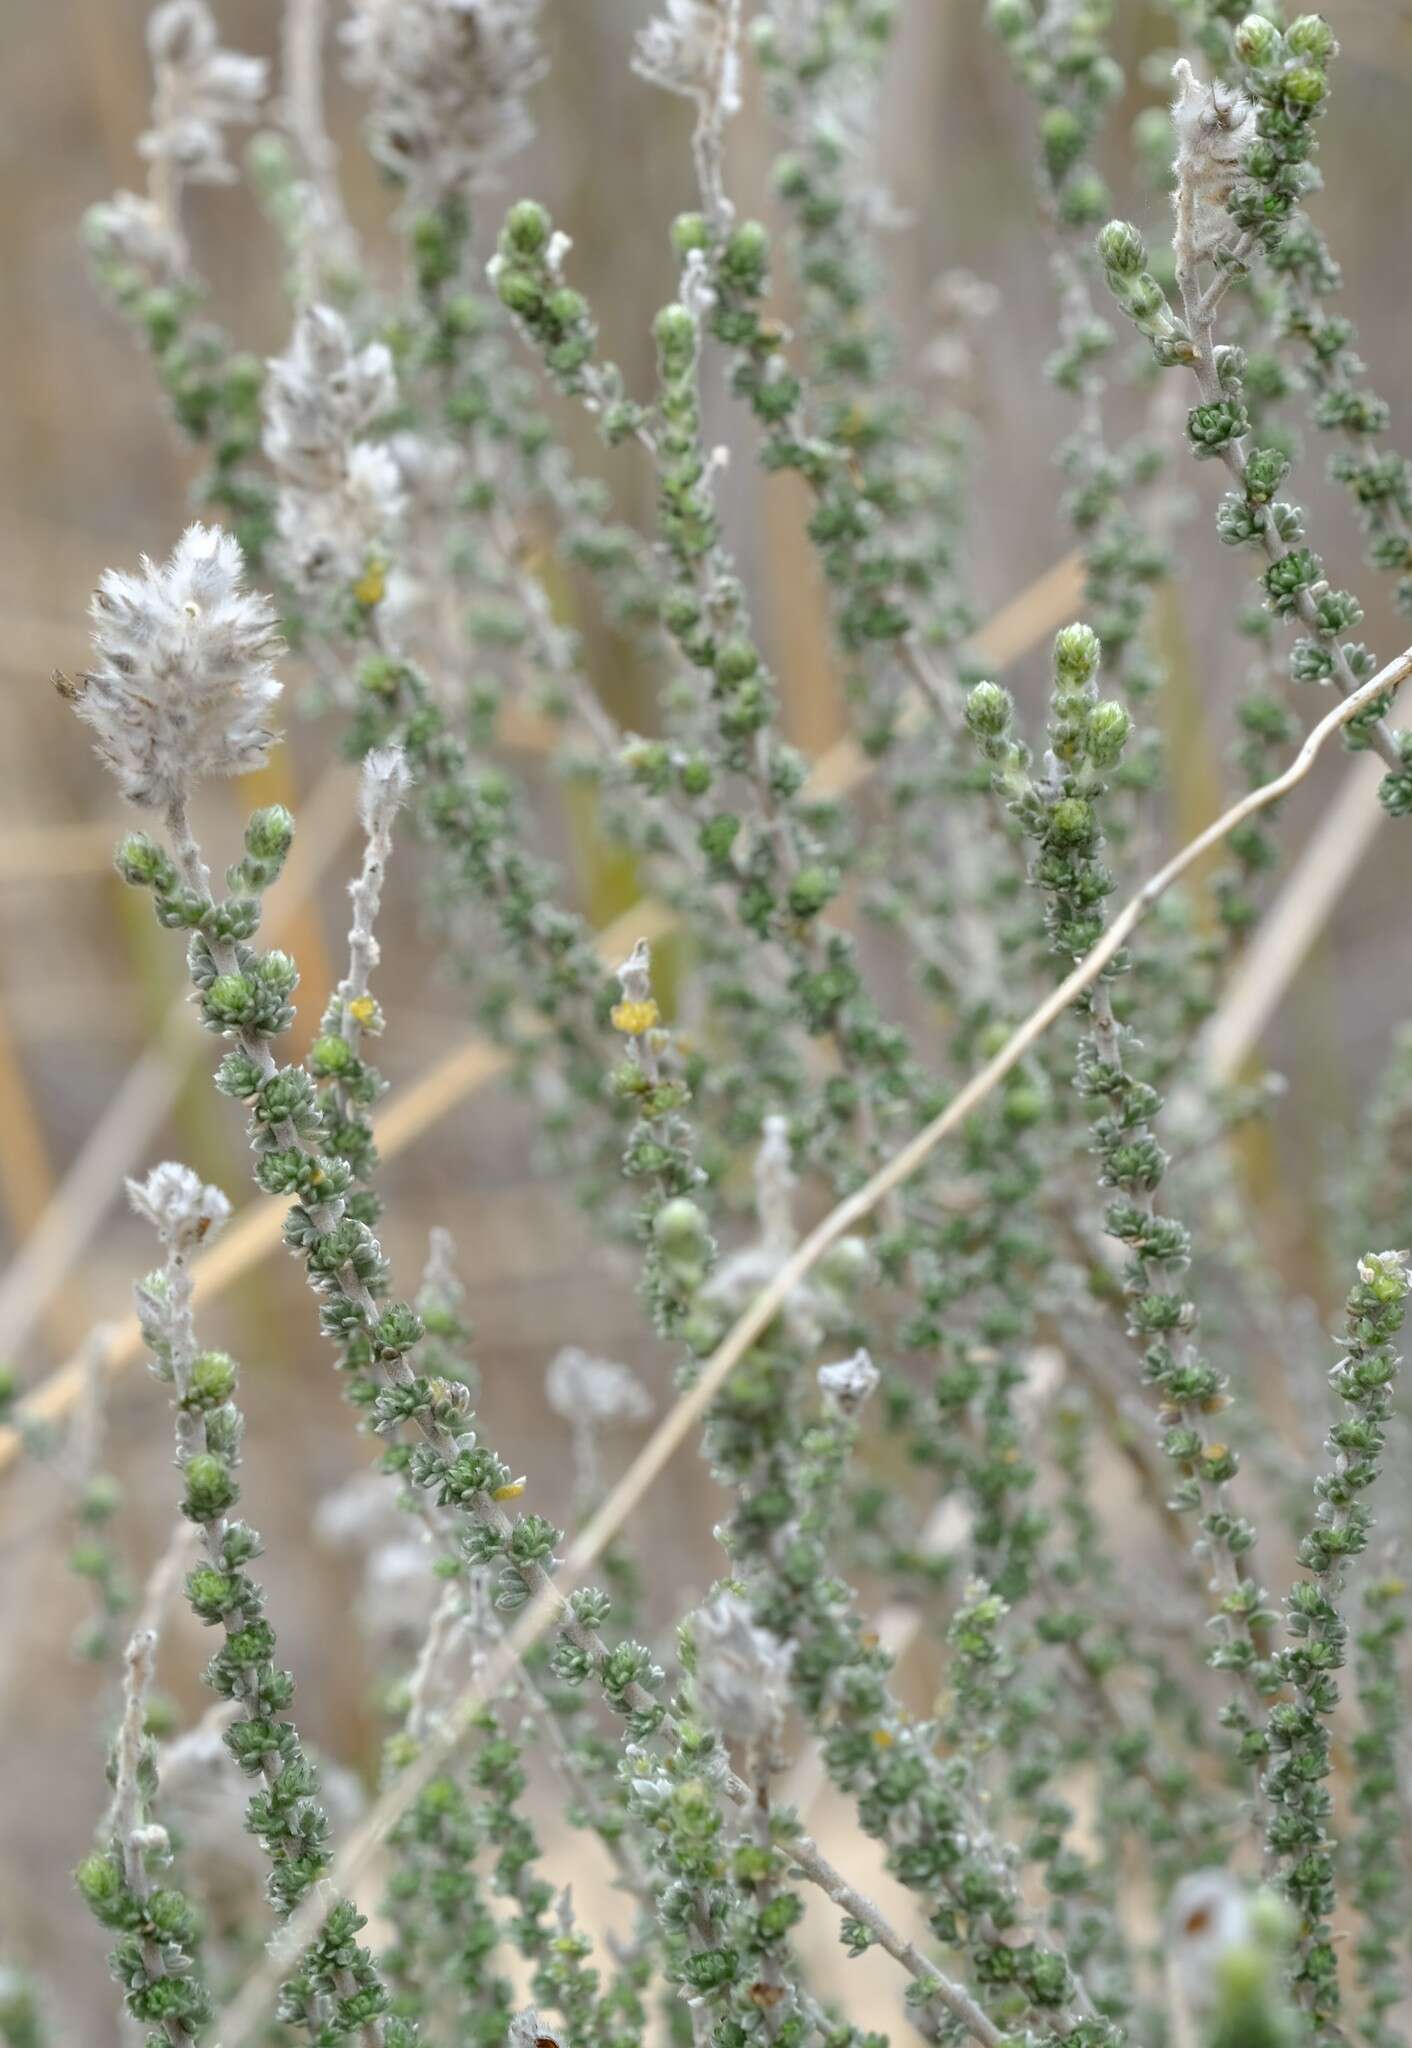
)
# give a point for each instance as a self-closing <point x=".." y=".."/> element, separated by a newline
<point x="674" y="331"/>
<point x="212" y="1379"/>
<point x="1108" y="729"/>
<point x="1121" y="249"/>
<point x="269" y="833"/>
<point x="1071" y="821"/>
<point x="527" y="229"/>
<point x="1076" y="653"/>
<point x="679" y="1228"/>
<point x="210" y="1489"/>
<point x="988" y="710"/>
<point x="1311" y="38"/>
<point x="690" y="231"/>
<point x="1306" y="85"/>
<point x="1256" y="40"/>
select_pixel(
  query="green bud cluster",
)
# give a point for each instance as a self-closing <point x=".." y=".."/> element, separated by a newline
<point x="1066" y="66"/>
<point x="284" y="1812"/>
<point x="1285" y="74"/>
<point x="212" y="387"/>
<point x="1285" y="81"/>
<point x="920" y="1806"/>
<point x="1061" y="814"/>
<point x="553" y="315"/>
<point x="95" y="1558"/>
<point x="154" y="1958"/>
<point x="1377" y="1826"/>
<point x="1299" y="1833"/>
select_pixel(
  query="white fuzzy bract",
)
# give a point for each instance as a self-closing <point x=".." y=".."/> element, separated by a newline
<point x="201" y="91"/>
<point x="181" y="1207"/>
<point x="183" y="681"/>
<point x="742" y="1671"/>
<point x="448" y="80"/>
<point x="691" y="49"/>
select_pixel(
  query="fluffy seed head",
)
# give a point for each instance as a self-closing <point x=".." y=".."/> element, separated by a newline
<point x="183" y="681"/>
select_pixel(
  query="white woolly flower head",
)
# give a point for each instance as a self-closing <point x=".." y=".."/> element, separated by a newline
<point x="321" y="395"/>
<point x="201" y="91"/>
<point x="691" y="49"/>
<point x="131" y="229"/>
<point x="1214" y="125"/>
<point x="742" y="1671"/>
<point x="327" y="536"/>
<point x="341" y="497"/>
<point x="594" y="1392"/>
<point x="851" y="1383"/>
<point x="181" y="1207"/>
<point x="183" y="682"/>
<point x="385" y="787"/>
<point x="448" y="80"/>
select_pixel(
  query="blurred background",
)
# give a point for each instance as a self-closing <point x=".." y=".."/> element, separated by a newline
<point x="92" y="1029"/>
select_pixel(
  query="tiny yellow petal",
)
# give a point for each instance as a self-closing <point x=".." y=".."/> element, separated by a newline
<point x="882" y="1738"/>
<point x="511" y="1492"/>
<point x="362" y="1009"/>
<point x="371" y="586"/>
<point x="635" y="1018"/>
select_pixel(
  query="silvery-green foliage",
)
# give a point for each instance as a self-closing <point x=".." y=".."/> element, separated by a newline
<point x="1125" y="1802"/>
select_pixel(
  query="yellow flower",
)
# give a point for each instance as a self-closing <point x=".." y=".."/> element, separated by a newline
<point x="362" y="1010"/>
<point x="635" y="1018"/>
<point x="371" y="585"/>
<point x="510" y="1492"/>
<point x="882" y="1738"/>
